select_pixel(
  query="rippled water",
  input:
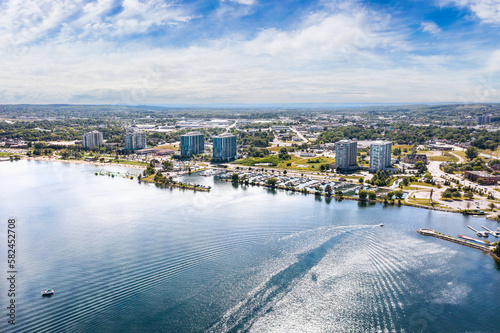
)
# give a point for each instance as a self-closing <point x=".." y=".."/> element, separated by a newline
<point x="129" y="257"/>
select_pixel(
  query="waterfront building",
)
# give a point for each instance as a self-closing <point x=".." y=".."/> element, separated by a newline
<point x="224" y="147"/>
<point x="346" y="152"/>
<point x="192" y="144"/>
<point x="135" y="139"/>
<point x="488" y="179"/>
<point x="380" y="155"/>
<point x="92" y="139"/>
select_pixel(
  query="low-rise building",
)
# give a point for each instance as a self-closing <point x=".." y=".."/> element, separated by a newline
<point x="488" y="179"/>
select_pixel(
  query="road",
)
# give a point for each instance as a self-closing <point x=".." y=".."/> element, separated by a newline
<point x="437" y="173"/>
<point x="460" y="158"/>
<point x="299" y="134"/>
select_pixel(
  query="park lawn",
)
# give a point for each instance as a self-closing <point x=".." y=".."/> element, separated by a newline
<point x="2" y="154"/>
<point x="424" y="202"/>
<point x="413" y="187"/>
<point x="310" y="166"/>
<point x="169" y="146"/>
<point x="402" y="147"/>
<point x="130" y="162"/>
<point x="495" y="152"/>
<point x="461" y="154"/>
<point x="251" y="161"/>
<point x="446" y="157"/>
<point x="423" y="184"/>
<point x="282" y="164"/>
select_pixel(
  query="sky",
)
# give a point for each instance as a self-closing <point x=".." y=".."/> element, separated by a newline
<point x="249" y="51"/>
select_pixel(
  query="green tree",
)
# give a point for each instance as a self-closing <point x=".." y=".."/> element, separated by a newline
<point x="235" y="177"/>
<point x="328" y="190"/>
<point x="362" y="194"/>
<point x="361" y="180"/>
<point x="396" y="151"/>
<point x="471" y="153"/>
<point x="447" y="194"/>
<point x="420" y="166"/>
<point x="158" y="177"/>
<point x="399" y="194"/>
<point x="168" y="165"/>
<point x="272" y="181"/>
<point x="372" y="195"/>
<point x="469" y="195"/>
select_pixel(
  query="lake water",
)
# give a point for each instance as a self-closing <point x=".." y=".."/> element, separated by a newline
<point x="124" y="256"/>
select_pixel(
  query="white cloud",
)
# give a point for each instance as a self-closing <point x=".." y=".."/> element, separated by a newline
<point x="33" y="20"/>
<point x="487" y="11"/>
<point x="243" y="2"/>
<point x="430" y="27"/>
<point x="351" y="55"/>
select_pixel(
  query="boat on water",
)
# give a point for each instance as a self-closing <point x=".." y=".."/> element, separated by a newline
<point x="473" y="240"/>
<point x="381" y="225"/>
<point x="48" y="292"/>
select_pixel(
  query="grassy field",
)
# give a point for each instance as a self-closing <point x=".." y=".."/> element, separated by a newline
<point x="424" y="202"/>
<point x="169" y="146"/>
<point x="130" y="162"/>
<point x="2" y="154"/>
<point x="402" y="147"/>
<point x="413" y="187"/>
<point x="296" y="163"/>
<point x="491" y="152"/>
<point x="461" y="154"/>
<point x="446" y="157"/>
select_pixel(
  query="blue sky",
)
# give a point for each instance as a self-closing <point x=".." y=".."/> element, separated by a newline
<point x="249" y="51"/>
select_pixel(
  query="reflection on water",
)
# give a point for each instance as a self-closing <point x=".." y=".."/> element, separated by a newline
<point x="124" y="256"/>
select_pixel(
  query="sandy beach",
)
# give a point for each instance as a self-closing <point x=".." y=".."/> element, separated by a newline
<point x="49" y="159"/>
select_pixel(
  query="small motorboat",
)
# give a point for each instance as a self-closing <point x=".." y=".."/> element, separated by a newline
<point x="381" y="225"/>
<point x="48" y="292"/>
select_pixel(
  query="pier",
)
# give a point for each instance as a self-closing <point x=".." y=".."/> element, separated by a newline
<point x="479" y="233"/>
<point x="493" y="233"/>
<point x="430" y="232"/>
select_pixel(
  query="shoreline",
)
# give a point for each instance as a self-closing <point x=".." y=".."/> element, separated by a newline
<point x="404" y="201"/>
<point x="433" y="233"/>
<point x="42" y="159"/>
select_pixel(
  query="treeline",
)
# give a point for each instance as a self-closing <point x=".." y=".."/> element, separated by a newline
<point x="258" y="139"/>
<point x="408" y="134"/>
<point x="60" y="130"/>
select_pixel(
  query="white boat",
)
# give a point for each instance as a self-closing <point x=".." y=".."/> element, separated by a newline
<point x="48" y="292"/>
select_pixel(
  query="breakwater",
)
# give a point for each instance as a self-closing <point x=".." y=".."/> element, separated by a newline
<point x="432" y="233"/>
